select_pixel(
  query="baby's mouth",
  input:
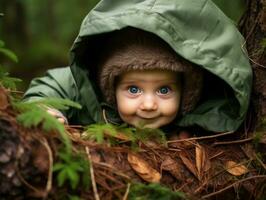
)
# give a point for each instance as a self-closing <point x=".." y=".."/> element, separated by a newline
<point x="147" y="117"/>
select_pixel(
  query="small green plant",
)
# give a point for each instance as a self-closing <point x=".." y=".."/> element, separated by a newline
<point x="98" y="132"/>
<point x="153" y="191"/>
<point x="71" y="168"/>
<point x="33" y="114"/>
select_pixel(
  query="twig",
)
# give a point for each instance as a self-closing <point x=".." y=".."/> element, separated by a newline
<point x="235" y="183"/>
<point x="260" y="65"/>
<point x="127" y="191"/>
<point x="112" y="169"/>
<point x="50" y="172"/>
<point x="94" y="187"/>
<point x="233" y="142"/>
<point x="221" y="152"/>
<point x="201" y="138"/>
<point x="17" y="92"/>
<point x="104" y="117"/>
<point x="109" y="177"/>
<point x="74" y="126"/>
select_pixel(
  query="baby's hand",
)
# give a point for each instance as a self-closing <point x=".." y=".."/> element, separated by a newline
<point x="57" y="114"/>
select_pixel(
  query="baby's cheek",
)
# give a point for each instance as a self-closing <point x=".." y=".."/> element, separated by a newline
<point x="170" y="108"/>
<point x="126" y="106"/>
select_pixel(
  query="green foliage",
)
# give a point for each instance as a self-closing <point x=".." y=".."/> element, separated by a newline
<point x="71" y="168"/>
<point x="146" y="134"/>
<point x="8" y="53"/>
<point x="98" y="131"/>
<point x="153" y="192"/>
<point x="7" y="81"/>
<point x="33" y="114"/>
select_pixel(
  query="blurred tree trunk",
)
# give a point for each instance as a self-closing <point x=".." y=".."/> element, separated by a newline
<point x="253" y="27"/>
<point x="14" y="22"/>
<point x="50" y="20"/>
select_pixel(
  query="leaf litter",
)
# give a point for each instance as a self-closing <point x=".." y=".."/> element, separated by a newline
<point x="193" y="166"/>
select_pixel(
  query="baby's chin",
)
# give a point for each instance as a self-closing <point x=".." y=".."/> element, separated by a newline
<point x="147" y="125"/>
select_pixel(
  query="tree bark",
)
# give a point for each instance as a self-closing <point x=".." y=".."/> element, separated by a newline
<point x="253" y="27"/>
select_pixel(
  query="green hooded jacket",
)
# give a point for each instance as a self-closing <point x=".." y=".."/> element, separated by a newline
<point x="195" y="29"/>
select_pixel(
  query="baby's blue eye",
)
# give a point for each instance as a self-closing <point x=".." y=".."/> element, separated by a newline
<point x="164" y="90"/>
<point x="133" y="89"/>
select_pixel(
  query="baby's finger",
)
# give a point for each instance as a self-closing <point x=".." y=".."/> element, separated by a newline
<point x="61" y="120"/>
<point x="57" y="115"/>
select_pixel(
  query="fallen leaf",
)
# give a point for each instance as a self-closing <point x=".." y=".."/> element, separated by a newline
<point x="173" y="167"/>
<point x="188" y="163"/>
<point x="143" y="169"/>
<point x="203" y="163"/>
<point x="235" y="169"/>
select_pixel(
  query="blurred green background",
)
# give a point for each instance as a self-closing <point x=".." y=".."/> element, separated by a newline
<point x="41" y="32"/>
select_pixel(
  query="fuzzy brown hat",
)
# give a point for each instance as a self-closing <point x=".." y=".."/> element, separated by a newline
<point x="134" y="49"/>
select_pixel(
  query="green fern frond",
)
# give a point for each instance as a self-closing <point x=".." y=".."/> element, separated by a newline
<point x="57" y="103"/>
<point x="146" y="134"/>
<point x="6" y="80"/>
<point x="33" y="114"/>
<point x="74" y="169"/>
<point x="98" y="131"/>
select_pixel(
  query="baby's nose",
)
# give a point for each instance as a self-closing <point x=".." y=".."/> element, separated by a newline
<point x="149" y="103"/>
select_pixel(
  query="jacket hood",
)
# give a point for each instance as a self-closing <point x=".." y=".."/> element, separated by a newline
<point x="196" y="30"/>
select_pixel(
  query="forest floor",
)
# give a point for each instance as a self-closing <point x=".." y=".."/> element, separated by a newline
<point x="107" y="162"/>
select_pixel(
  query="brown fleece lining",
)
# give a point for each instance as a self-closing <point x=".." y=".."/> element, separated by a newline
<point x="132" y="49"/>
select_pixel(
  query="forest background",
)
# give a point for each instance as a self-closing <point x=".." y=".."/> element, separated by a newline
<point x="41" y="33"/>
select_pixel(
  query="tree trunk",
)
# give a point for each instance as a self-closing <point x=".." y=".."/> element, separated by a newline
<point x="253" y="27"/>
<point x="14" y="23"/>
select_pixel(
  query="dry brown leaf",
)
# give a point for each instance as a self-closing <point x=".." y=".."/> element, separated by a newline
<point x="188" y="163"/>
<point x="200" y="158"/>
<point x="203" y="163"/>
<point x="235" y="169"/>
<point x="143" y="169"/>
<point x="172" y="166"/>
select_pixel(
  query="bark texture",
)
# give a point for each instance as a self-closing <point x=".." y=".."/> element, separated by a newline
<point x="253" y="27"/>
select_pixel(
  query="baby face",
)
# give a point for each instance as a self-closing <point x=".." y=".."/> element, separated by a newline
<point x="149" y="98"/>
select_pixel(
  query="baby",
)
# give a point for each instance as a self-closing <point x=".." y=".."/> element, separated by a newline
<point x="154" y="64"/>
